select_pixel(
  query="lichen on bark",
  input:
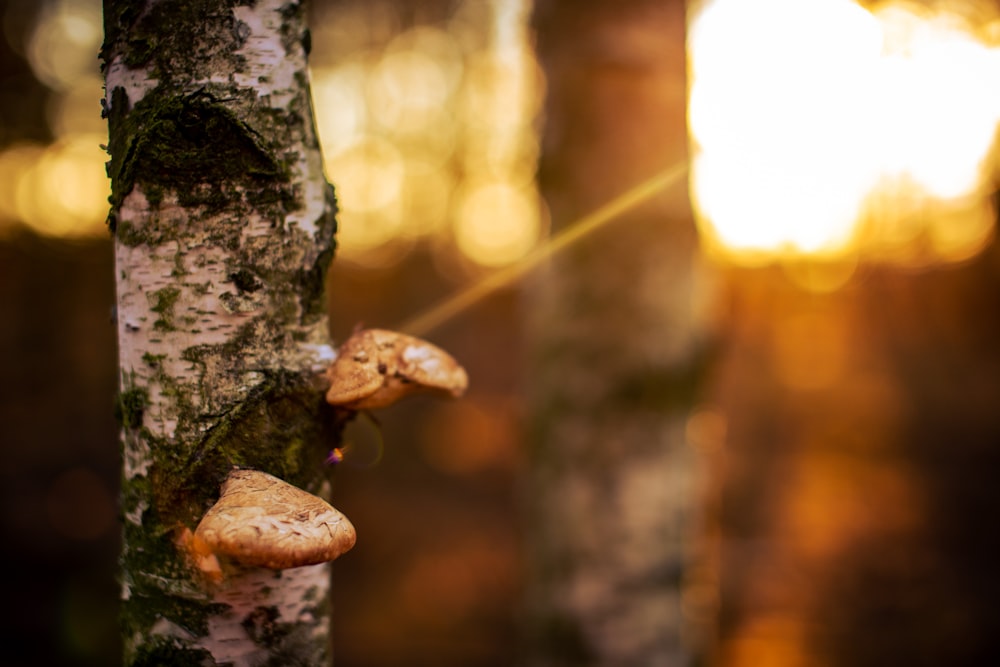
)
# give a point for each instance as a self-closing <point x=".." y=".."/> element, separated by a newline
<point x="224" y="227"/>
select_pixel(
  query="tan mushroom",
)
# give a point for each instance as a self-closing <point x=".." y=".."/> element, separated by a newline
<point x="375" y="368"/>
<point x="262" y="521"/>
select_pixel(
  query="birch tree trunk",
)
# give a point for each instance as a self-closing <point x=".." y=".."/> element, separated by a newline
<point x="618" y="345"/>
<point x="223" y="227"/>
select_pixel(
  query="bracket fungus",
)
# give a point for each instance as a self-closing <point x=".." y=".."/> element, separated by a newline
<point x="375" y="368"/>
<point x="260" y="520"/>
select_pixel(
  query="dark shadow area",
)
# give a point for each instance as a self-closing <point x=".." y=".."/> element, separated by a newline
<point x="59" y="457"/>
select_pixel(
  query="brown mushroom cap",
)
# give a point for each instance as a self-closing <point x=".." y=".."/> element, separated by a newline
<point x="375" y="368"/>
<point x="263" y="521"/>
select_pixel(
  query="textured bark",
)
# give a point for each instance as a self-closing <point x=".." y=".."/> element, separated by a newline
<point x="618" y="342"/>
<point x="223" y="228"/>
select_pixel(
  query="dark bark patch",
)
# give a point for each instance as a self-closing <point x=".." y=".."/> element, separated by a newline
<point x="207" y="148"/>
<point x="159" y="651"/>
<point x="185" y="37"/>
<point x="195" y="147"/>
<point x="262" y="626"/>
<point x="245" y="281"/>
<point x="130" y="406"/>
<point x="312" y="281"/>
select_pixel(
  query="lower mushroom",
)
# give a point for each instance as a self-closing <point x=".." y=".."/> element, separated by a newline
<point x="260" y="520"/>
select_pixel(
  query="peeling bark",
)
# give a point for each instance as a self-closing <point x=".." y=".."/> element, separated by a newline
<point x="224" y="229"/>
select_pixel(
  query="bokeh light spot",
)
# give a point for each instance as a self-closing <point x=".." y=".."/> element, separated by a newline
<point x="428" y="195"/>
<point x="16" y="162"/>
<point x="496" y="223"/>
<point x="65" y="191"/>
<point x="339" y="103"/>
<point x="370" y="173"/>
<point x="77" y="109"/>
<point x="413" y="121"/>
<point x="62" y="45"/>
<point x="411" y="86"/>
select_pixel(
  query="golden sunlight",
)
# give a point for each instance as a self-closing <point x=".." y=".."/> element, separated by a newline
<point x="16" y="161"/>
<point x="497" y="223"/>
<point x="824" y="129"/>
<point x="371" y="174"/>
<point x="62" y="46"/>
<point x="414" y="80"/>
<point x="429" y="135"/>
<point x="59" y="190"/>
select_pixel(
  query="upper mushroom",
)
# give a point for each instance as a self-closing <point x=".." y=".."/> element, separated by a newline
<point x="262" y="521"/>
<point x="375" y="368"/>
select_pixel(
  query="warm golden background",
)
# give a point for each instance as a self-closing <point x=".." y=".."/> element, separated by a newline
<point x="842" y="181"/>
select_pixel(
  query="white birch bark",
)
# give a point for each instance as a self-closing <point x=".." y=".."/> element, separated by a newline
<point x="224" y="229"/>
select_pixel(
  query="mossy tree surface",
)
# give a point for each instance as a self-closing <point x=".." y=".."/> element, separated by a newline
<point x="618" y="345"/>
<point x="224" y="228"/>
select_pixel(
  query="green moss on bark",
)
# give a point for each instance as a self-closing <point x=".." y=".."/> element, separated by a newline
<point x="163" y="305"/>
<point x="281" y="425"/>
<point x="124" y="231"/>
<point x="196" y="147"/>
<point x="130" y="406"/>
<point x="160" y="651"/>
<point x="177" y="38"/>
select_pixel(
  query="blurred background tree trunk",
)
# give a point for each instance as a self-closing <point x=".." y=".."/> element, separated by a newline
<point x="618" y="345"/>
<point x="223" y="226"/>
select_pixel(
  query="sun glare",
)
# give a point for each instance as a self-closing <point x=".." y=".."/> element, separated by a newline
<point x="824" y="129"/>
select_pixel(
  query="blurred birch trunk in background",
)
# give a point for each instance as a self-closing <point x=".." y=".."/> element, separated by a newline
<point x="618" y="345"/>
<point x="223" y="226"/>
